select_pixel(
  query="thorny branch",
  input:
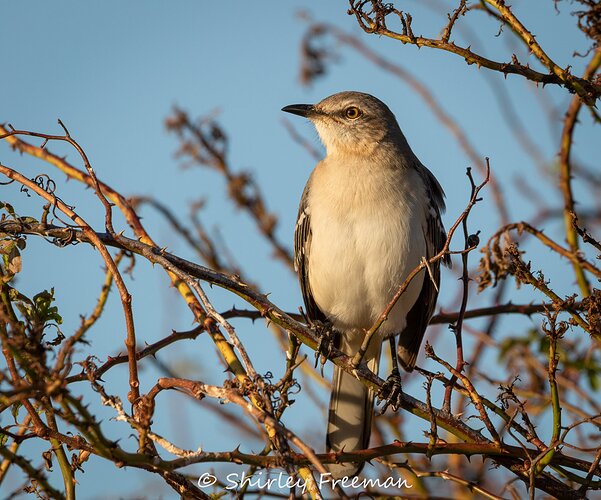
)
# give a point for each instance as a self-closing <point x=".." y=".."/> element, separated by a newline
<point x="373" y="16"/>
<point x="177" y="265"/>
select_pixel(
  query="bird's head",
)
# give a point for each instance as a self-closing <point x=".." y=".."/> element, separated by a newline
<point x="350" y="122"/>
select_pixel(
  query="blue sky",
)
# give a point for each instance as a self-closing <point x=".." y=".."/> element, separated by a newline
<point x="112" y="71"/>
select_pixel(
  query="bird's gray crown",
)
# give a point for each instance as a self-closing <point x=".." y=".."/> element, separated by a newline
<point x="351" y="122"/>
<point x="370" y="106"/>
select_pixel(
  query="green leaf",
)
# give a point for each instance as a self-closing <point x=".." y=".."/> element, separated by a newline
<point x="11" y="258"/>
<point x="3" y="438"/>
<point x="14" y="260"/>
<point x="14" y="410"/>
<point x="28" y="220"/>
<point x="44" y="309"/>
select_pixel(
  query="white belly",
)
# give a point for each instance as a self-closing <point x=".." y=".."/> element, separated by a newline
<point x="367" y="236"/>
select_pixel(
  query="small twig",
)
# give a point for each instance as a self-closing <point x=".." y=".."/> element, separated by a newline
<point x="584" y="234"/>
<point x="474" y="396"/>
<point x="459" y="11"/>
<point x="212" y="313"/>
<point x="565" y="173"/>
<point x="554" y="332"/>
<point x="457" y="327"/>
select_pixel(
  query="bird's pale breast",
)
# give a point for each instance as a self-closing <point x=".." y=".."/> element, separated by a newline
<point x="367" y="236"/>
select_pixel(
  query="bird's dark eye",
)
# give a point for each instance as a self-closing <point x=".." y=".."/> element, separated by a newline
<point x="352" y="112"/>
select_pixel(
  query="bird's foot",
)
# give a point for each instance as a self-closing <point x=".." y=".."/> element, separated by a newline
<point x="326" y="343"/>
<point x="391" y="392"/>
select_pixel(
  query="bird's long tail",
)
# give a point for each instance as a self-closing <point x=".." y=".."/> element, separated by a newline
<point x="351" y="412"/>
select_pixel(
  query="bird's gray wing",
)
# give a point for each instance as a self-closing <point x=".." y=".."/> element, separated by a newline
<point x="302" y="248"/>
<point x="435" y="237"/>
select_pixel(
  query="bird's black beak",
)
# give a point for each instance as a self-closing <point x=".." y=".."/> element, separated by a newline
<point x="300" y="109"/>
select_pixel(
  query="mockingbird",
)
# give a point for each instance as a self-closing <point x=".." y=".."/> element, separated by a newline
<point x="369" y="214"/>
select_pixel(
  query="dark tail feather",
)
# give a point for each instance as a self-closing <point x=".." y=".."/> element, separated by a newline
<point x="349" y="419"/>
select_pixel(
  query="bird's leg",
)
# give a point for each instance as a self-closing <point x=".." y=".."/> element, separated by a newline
<point x="392" y="390"/>
<point x="327" y="341"/>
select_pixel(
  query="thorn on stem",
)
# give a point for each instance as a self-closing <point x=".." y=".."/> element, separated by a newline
<point x="60" y="122"/>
